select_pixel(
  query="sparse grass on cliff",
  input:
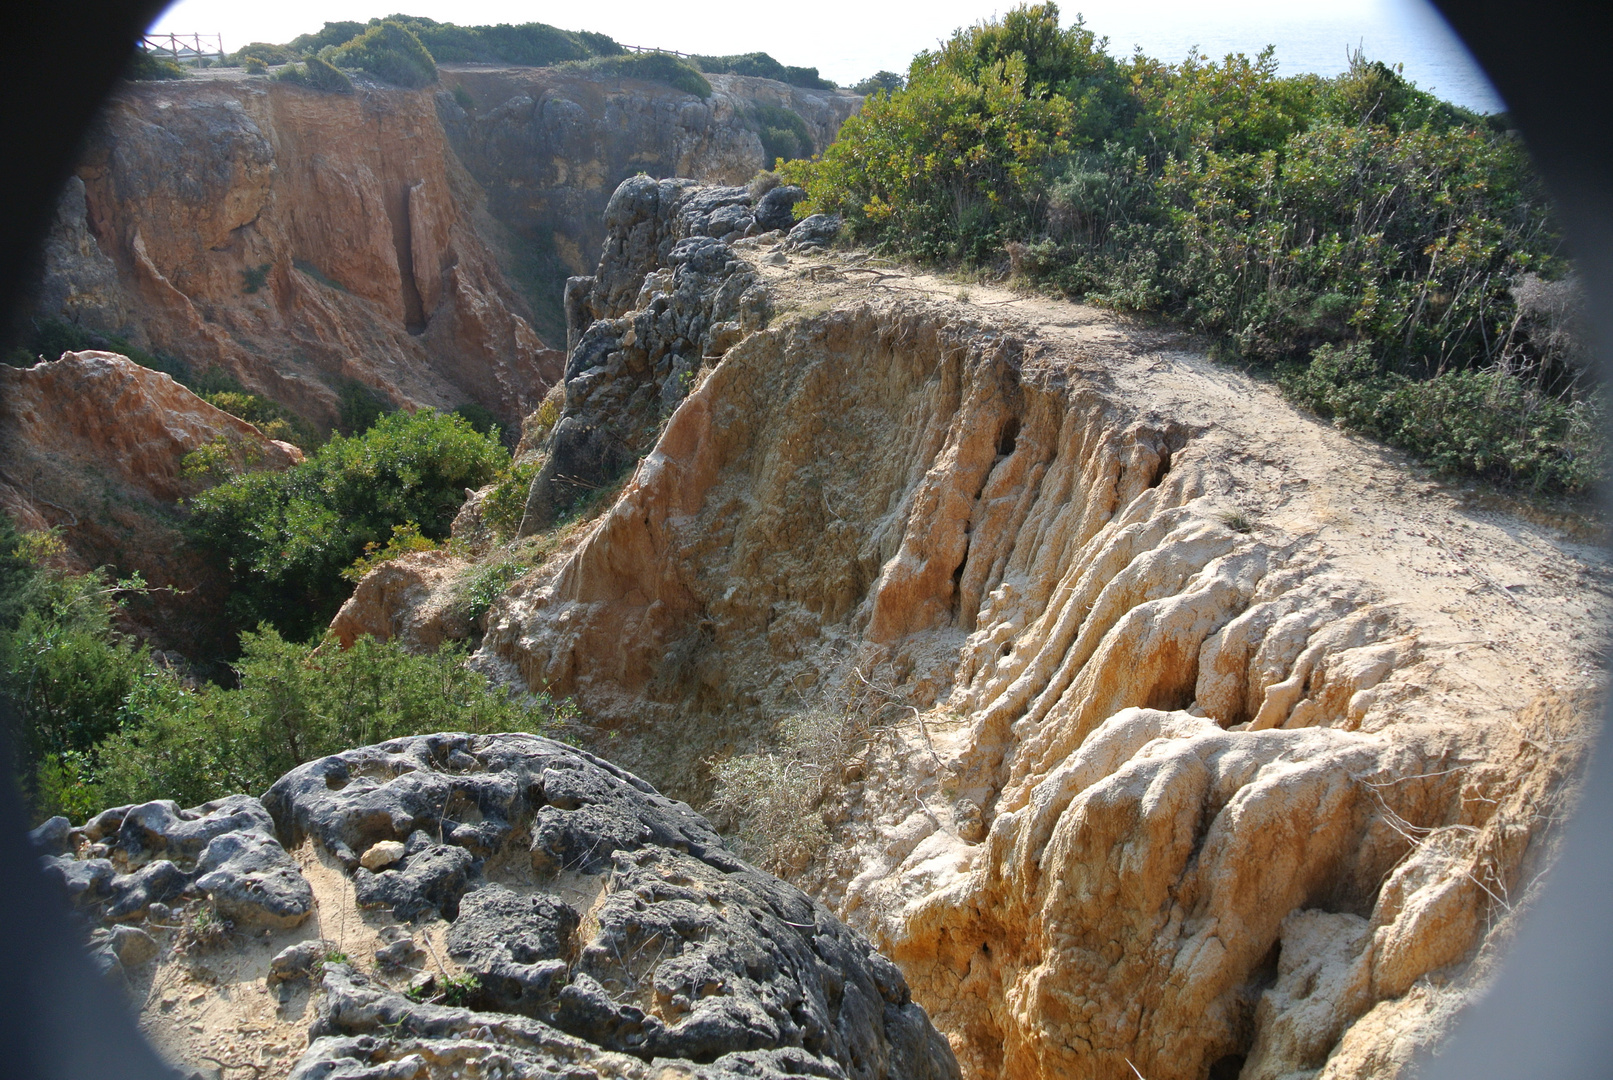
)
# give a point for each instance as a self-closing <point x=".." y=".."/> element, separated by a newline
<point x="774" y="799"/>
<point x="653" y="67"/>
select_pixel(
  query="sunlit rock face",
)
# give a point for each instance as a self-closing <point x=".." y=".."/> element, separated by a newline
<point x="1200" y="774"/>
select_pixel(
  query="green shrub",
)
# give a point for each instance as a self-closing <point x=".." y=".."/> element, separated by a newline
<point x="253" y="66"/>
<point x="317" y="74"/>
<point x="254" y="277"/>
<point x="1280" y="216"/>
<point x="63" y="666"/>
<point x="504" y="506"/>
<point x="284" y="538"/>
<point x="270" y="417"/>
<point x="359" y="407"/>
<point x="482" y="588"/>
<point x="883" y="82"/>
<point x="405" y="540"/>
<point x="762" y="66"/>
<point x="391" y="53"/>
<point x="332" y="34"/>
<point x="652" y="67"/>
<point x="264" y="53"/>
<point x="1477" y="422"/>
<point x="150" y="67"/>
<point x="479" y="417"/>
<point x="293" y="704"/>
<point x="784" y="133"/>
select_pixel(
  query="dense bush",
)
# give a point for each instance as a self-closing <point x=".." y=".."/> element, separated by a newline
<point x="331" y="35"/>
<point x="64" y="668"/>
<point x="783" y="132"/>
<point x="526" y="44"/>
<point x="390" y="52"/>
<point x="293" y="704"/>
<point x="317" y="74"/>
<point x="284" y="538"/>
<point x="1282" y="216"/>
<point x="763" y="66"/>
<point x="881" y="82"/>
<point x="97" y="722"/>
<point x="265" y="54"/>
<point x="653" y="67"/>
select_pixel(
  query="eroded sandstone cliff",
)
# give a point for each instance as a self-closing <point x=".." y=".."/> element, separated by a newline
<point x="303" y="241"/>
<point x="297" y="241"/>
<point x="94" y="445"/>
<point x="1231" y="745"/>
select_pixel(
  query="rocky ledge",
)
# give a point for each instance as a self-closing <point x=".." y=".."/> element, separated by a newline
<point x="590" y="926"/>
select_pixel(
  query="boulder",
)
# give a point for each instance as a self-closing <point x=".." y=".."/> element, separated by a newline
<point x="252" y="881"/>
<point x="813" y="233"/>
<point x="776" y="209"/>
<point x="689" y="954"/>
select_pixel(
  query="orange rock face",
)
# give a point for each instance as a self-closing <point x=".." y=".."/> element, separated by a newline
<point x="1177" y="790"/>
<point x="299" y="240"/>
<point x="93" y="444"/>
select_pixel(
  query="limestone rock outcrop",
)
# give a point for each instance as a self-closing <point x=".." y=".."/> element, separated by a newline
<point x="592" y="926"/>
<point x="138" y="864"/>
<point x="94" y="444"/>
<point x="408" y="598"/>
<point x="1202" y="776"/>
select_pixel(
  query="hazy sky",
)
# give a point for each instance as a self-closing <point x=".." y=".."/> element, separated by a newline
<point x="849" y="39"/>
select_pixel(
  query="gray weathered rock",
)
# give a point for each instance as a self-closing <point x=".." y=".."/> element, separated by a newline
<point x="86" y="882"/>
<point x="689" y="955"/>
<point x="669" y="294"/>
<point x="813" y="233"/>
<point x="162" y="828"/>
<point x="516" y="945"/>
<point x="252" y="881"/>
<point x="776" y="209"/>
<point x="298" y="961"/>
<point x="54" y="837"/>
<point x="430" y="880"/>
<point x="133" y="894"/>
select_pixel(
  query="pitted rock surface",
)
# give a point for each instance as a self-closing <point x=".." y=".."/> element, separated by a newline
<point x="689" y="955"/>
<point x="125" y="859"/>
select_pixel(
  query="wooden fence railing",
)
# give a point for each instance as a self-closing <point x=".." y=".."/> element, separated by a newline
<point x="185" y="48"/>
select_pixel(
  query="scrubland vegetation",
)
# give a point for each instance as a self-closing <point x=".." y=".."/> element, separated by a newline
<point x="1390" y="258"/>
<point x="101" y="720"/>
